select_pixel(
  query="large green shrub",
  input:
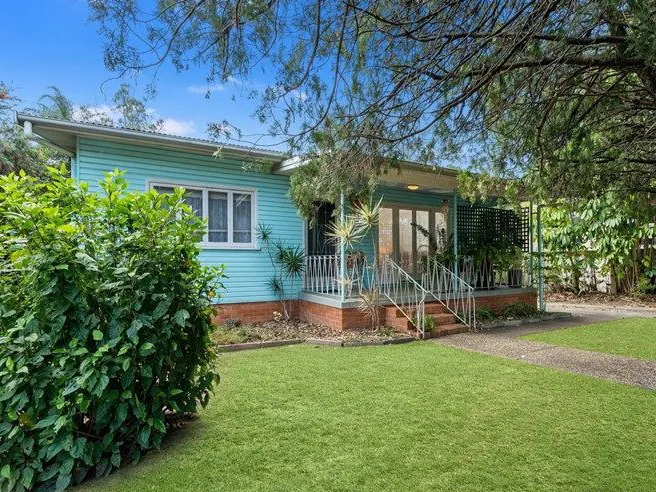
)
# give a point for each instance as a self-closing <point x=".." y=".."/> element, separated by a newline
<point x="104" y="326"/>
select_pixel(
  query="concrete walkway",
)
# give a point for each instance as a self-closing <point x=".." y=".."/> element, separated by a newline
<point x="504" y="343"/>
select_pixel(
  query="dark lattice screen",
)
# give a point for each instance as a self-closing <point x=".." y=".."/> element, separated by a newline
<point x="525" y="231"/>
<point x="492" y="226"/>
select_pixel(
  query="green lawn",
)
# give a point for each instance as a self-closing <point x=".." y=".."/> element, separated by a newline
<point x="635" y="337"/>
<point x="408" y="417"/>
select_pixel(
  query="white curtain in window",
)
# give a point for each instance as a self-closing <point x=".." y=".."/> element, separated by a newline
<point x="241" y="217"/>
<point x="194" y="198"/>
<point x="217" y="217"/>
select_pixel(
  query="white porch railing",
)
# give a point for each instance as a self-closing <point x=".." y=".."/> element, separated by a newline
<point x="451" y="291"/>
<point x="322" y="273"/>
<point x="404" y="292"/>
<point x="485" y="274"/>
<point x="323" y="276"/>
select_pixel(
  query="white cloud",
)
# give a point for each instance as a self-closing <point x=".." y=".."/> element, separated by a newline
<point x="203" y="89"/>
<point x="95" y="114"/>
<point x="301" y="95"/>
<point x="102" y="112"/>
<point x="178" y="127"/>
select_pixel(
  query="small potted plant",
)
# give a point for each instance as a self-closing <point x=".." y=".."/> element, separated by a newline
<point x="515" y="268"/>
<point x="355" y="258"/>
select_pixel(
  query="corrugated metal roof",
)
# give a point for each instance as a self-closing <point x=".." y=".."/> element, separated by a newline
<point x="75" y="127"/>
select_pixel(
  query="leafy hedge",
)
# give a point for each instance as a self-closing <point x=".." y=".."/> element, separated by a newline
<point x="104" y="326"/>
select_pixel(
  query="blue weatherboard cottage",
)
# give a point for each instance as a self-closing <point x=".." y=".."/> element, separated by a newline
<point x="228" y="186"/>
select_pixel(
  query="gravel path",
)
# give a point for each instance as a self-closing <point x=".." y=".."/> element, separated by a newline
<point x="503" y="343"/>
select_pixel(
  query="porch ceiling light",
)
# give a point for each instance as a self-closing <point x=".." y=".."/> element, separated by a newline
<point x="412" y="187"/>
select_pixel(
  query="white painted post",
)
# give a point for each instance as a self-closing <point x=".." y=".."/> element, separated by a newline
<point x="540" y="273"/>
<point x="342" y="251"/>
<point x="454" y="232"/>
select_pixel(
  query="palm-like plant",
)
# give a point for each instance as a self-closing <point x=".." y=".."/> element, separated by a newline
<point x="55" y="105"/>
<point x="352" y="229"/>
<point x="346" y="231"/>
<point x="287" y="262"/>
<point x="292" y="261"/>
<point x="367" y="214"/>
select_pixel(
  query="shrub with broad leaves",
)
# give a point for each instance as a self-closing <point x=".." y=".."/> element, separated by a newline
<point x="104" y="326"/>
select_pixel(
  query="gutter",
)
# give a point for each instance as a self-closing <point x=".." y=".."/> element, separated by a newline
<point x="30" y="135"/>
<point x="146" y="138"/>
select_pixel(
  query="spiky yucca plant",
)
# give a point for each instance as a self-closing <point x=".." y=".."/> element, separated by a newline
<point x="287" y="262"/>
<point x="350" y="230"/>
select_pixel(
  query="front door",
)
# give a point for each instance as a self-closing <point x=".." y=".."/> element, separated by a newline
<point x="400" y="235"/>
<point x="318" y="240"/>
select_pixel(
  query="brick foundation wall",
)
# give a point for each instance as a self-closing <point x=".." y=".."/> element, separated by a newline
<point x="497" y="302"/>
<point x="341" y="319"/>
<point x="335" y="318"/>
<point x="249" y="312"/>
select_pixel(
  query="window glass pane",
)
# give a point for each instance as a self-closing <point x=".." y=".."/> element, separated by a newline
<point x="241" y="217"/>
<point x="163" y="189"/>
<point x="194" y="198"/>
<point x="406" y="255"/>
<point x="385" y="231"/>
<point x="422" y="240"/>
<point x="440" y="229"/>
<point x="217" y="217"/>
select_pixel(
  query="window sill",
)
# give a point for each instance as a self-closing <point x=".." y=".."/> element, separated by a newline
<point x="234" y="246"/>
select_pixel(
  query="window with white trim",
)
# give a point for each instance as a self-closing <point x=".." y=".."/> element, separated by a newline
<point x="231" y="214"/>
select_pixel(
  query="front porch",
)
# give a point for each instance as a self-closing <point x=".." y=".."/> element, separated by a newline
<point x="431" y="253"/>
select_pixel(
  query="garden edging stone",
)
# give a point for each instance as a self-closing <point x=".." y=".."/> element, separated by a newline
<point x="237" y="347"/>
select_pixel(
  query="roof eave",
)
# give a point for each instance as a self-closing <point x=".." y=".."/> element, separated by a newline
<point x="143" y="138"/>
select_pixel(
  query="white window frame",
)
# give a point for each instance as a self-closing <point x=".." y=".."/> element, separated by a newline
<point x="205" y="190"/>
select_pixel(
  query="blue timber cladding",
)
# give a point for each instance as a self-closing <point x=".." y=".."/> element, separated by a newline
<point x="248" y="270"/>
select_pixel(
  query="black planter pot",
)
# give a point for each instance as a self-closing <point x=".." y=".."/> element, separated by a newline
<point x="515" y="278"/>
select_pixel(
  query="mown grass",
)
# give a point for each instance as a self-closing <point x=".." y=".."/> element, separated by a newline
<point x="635" y="337"/>
<point x="414" y="417"/>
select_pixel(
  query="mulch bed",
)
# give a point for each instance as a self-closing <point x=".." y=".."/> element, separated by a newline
<point x="294" y="329"/>
<point x="608" y="300"/>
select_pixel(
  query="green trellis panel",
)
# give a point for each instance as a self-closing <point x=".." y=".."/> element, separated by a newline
<point x="490" y="226"/>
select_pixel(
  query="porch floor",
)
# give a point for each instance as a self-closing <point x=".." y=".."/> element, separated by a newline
<point x="333" y="300"/>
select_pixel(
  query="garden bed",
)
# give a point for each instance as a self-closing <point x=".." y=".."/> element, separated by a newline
<point x="607" y="300"/>
<point x="297" y="330"/>
<point x="513" y="315"/>
<point x="509" y="322"/>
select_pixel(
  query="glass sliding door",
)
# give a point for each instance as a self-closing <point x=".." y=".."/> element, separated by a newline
<point x="405" y="243"/>
<point x="385" y="234"/>
<point x="423" y="228"/>
<point x="406" y="251"/>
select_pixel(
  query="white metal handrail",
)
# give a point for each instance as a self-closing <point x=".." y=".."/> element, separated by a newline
<point x="404" y="292"/>
<point x="323" y="276"/>
<point x="451" y="291"/>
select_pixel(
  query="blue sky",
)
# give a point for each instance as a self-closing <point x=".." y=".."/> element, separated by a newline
<point x="51" y="42"/>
